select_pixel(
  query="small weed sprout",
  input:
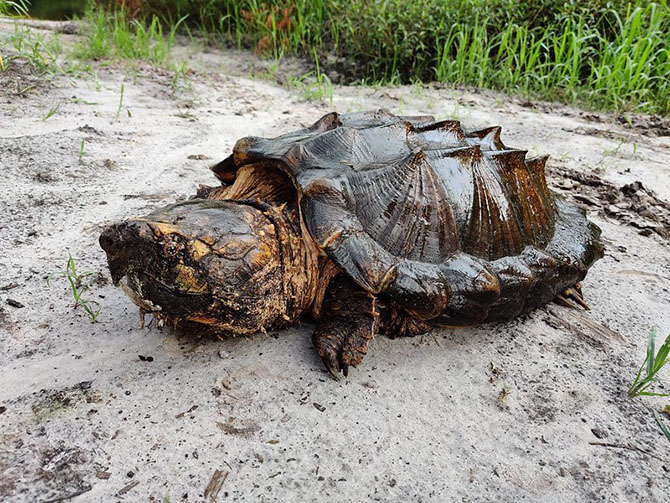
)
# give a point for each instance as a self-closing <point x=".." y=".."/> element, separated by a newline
<point x="652" y="364"/>
<point x="78" y="288"/>
<point x="52" y="111"/>
<point x="646" y="376"/>
<point x="613" y="152"/>
<point x="81" y="149"/>
<point x="662" y="425"/>
<point x="22" y="91"/>
<point x="185" y="115"/>
<point x="417" y="88"/>
<point x="118" y="110"/>
<point x="180" y="80"/>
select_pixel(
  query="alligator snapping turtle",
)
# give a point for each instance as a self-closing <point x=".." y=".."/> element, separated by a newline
<point x="369" y="222"/>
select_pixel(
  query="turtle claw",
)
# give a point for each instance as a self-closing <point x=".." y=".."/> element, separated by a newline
<point x="347" y="325"/>
<point x="573" y="293"/>
<point x="330" y="360"/>
<point x="142" y="314"/>
<point x="339" y="351"/>
<point x="333" y="372"/>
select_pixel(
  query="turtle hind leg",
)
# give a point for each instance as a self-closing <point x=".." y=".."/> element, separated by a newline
<point x="397" y="322"/>
<point x="570" y="294"/>
<point x="347" y="324"/>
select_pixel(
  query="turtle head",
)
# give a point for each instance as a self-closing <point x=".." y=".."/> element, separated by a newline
<point x="206" y="265"/>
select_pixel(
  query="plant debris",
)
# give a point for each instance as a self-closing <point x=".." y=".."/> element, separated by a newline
<point x="215" y="484"/>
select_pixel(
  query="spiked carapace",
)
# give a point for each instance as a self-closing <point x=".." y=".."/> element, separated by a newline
<point x="369" y="222"/>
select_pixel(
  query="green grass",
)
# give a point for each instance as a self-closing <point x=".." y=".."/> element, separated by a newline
<point x="648" y="375"/>
<point x="10" y="7"/>
<point x="653" y="363"/>
<point x="180" y="79"/>
<point x="314" y="85"/>
<point x="39" y="52"/>
<point x="118" y="110"/>
<point x="52" y="111"/>
<point x="604" y="54"/>
<point x="607" y="54"/>
<point x="18" y="7"/>
<point x="78" y="288"/>
<point x="112" y="35"/>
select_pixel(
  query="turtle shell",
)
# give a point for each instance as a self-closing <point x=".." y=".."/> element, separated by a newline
<point x="451" y="224"/>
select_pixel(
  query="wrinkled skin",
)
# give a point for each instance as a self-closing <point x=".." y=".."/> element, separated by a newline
<point x="212" y="266"/>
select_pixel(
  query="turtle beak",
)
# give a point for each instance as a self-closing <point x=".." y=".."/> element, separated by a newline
<point x="120" y="242"/>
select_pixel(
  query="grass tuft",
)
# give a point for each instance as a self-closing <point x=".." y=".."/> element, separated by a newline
<point x="14" y="7"/>
<point x="647" y="375"/>
<point x="115" y="35"/>
<point x="607" y="54"/>
<point x="78" y="288"/>
<point x="315" y="85"/>
<point x="39" y="52"/>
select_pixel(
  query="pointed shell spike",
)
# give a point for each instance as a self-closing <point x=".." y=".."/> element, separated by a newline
<point x="537" y="164"/>
<point x="490" y="137"/>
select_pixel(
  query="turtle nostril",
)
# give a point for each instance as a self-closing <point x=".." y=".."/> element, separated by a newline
<point x="108" y="240"/>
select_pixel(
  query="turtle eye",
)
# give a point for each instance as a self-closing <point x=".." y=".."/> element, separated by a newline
<point x="172" y="245"/>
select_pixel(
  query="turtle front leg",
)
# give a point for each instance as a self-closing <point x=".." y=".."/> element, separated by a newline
<point x="347" y="323"/>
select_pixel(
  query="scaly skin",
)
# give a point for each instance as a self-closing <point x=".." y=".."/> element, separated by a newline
<point x="225" y="267"/>
<point x="349" y="322"/>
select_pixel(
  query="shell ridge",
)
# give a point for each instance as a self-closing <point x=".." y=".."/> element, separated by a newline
<point x="531" y="211"/>
<point x="537" y="168"/>
<point x="493" y="228"/>
<point x="404" y="208"/>
<point x="488" y="137"/>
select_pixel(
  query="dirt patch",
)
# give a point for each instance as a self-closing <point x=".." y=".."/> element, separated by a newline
<point x="656" y="126"/>
<point x="50" y="403"/>
<point x="21" y="78"/>
<point x="632" y="204"/>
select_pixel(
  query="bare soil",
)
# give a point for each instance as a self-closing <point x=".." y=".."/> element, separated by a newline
<point x="534" y="409"/>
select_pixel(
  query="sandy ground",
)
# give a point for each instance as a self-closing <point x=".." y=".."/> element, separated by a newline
<point x="531" y="410"/>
